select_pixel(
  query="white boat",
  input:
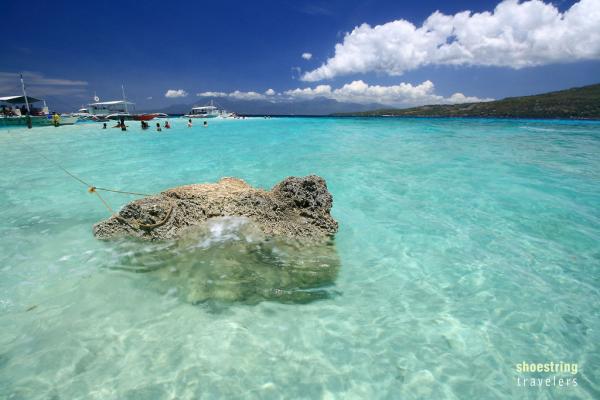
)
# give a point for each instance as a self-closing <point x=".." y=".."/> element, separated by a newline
<point x="66" y="119"/>
<point x="116" y="110"/>
<point x="82" y="114"/>
<point x="203" y="112"/>
<point x="100" y="111"/>
<point x="226" y="114"/>
<point x="209" y="111"/>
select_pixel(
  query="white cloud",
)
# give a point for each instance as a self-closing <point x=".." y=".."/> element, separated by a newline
<point x="307" y="56"/>
<point x="296" y="72"/>
<point x="239" y="95"/>
<point x="514" y="35"/>
<point x="212" y="94"/>
<point x="403" y="94"/>
<point x="172" y="93"/>
<point x="246" y="95"/>
<point x="309" y="93"/>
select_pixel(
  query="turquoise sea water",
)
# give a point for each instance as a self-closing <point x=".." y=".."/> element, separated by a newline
<point x="465" y="247"/>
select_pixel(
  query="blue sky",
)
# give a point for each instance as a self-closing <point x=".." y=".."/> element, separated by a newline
<point x="70" y="50"/>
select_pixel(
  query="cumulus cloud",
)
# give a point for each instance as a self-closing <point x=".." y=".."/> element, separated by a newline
<point x="310" y="93"/>
<point x="246" y="95"/>
<point x="212" y="94"/>
<point x="307" y="56"/>
<point x="239" y="95"/>
<point x="403" y="94"/>
<point x="174" y="93"/>
<point x="514" y="35"/>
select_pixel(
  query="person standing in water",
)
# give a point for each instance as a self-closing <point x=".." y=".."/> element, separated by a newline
<point x="104" y="125"/>
<point x="55" y="119"/>
<point x="158" y="128"/>
<point x="205" y="124"/>
<point x="189" y="123"/>
<point x="167" y="126"/>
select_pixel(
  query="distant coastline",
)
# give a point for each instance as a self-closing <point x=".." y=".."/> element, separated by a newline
<point x="581" y="103"/>
<point x="351" y="115"/>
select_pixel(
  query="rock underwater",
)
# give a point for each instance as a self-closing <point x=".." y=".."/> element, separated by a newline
<point x="230" y="242"/>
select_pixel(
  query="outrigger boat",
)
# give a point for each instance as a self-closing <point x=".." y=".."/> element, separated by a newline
<point x="27" y="115"/>
<point x="83" y="114"/>
<point x="100" y="111"/>
<point x="115" y="110"/>
<point x="131" y="117"/>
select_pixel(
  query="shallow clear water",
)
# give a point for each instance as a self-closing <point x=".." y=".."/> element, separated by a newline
<point x="465" y="247"/>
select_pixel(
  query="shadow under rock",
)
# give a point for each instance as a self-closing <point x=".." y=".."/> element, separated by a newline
<point x="229" y="260"/>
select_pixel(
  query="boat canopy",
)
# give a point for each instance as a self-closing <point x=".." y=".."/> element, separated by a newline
<point x="205" y="108"/>
<point x="18" y="99"/>
<point x="110" y="103"/>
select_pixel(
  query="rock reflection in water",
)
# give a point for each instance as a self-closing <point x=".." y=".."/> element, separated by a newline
<point x="228" y="259"/>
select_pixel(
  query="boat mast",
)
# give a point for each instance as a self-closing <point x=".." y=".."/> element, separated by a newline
<point x="124" y="99"/>
<point x="24" y="94"/>
<point x="26" y="102"/>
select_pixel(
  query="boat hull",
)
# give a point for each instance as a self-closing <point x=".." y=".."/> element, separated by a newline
<point x="68" y="120"/>
<point x="200" y="116"/>
<point x="144" y="117"/>
<point x="131" y="117"/>
<point x="37" y="121"/>
<point x="22" y="121"/>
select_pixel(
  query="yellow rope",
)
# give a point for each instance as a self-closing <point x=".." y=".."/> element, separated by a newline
<point x="110" y="210"/>
<point x="91" y="188"/>
<point x="123" y="192"/>
<point x="61" y="167"/>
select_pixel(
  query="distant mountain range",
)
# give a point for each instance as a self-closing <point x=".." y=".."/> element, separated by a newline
<point x="318" y="106"/>
<point x="575" y="103"/>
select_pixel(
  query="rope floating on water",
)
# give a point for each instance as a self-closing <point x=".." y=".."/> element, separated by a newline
<point x="121" y="191"/>
<point x="94" y="189"/>
<point x="110" y="210"/>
